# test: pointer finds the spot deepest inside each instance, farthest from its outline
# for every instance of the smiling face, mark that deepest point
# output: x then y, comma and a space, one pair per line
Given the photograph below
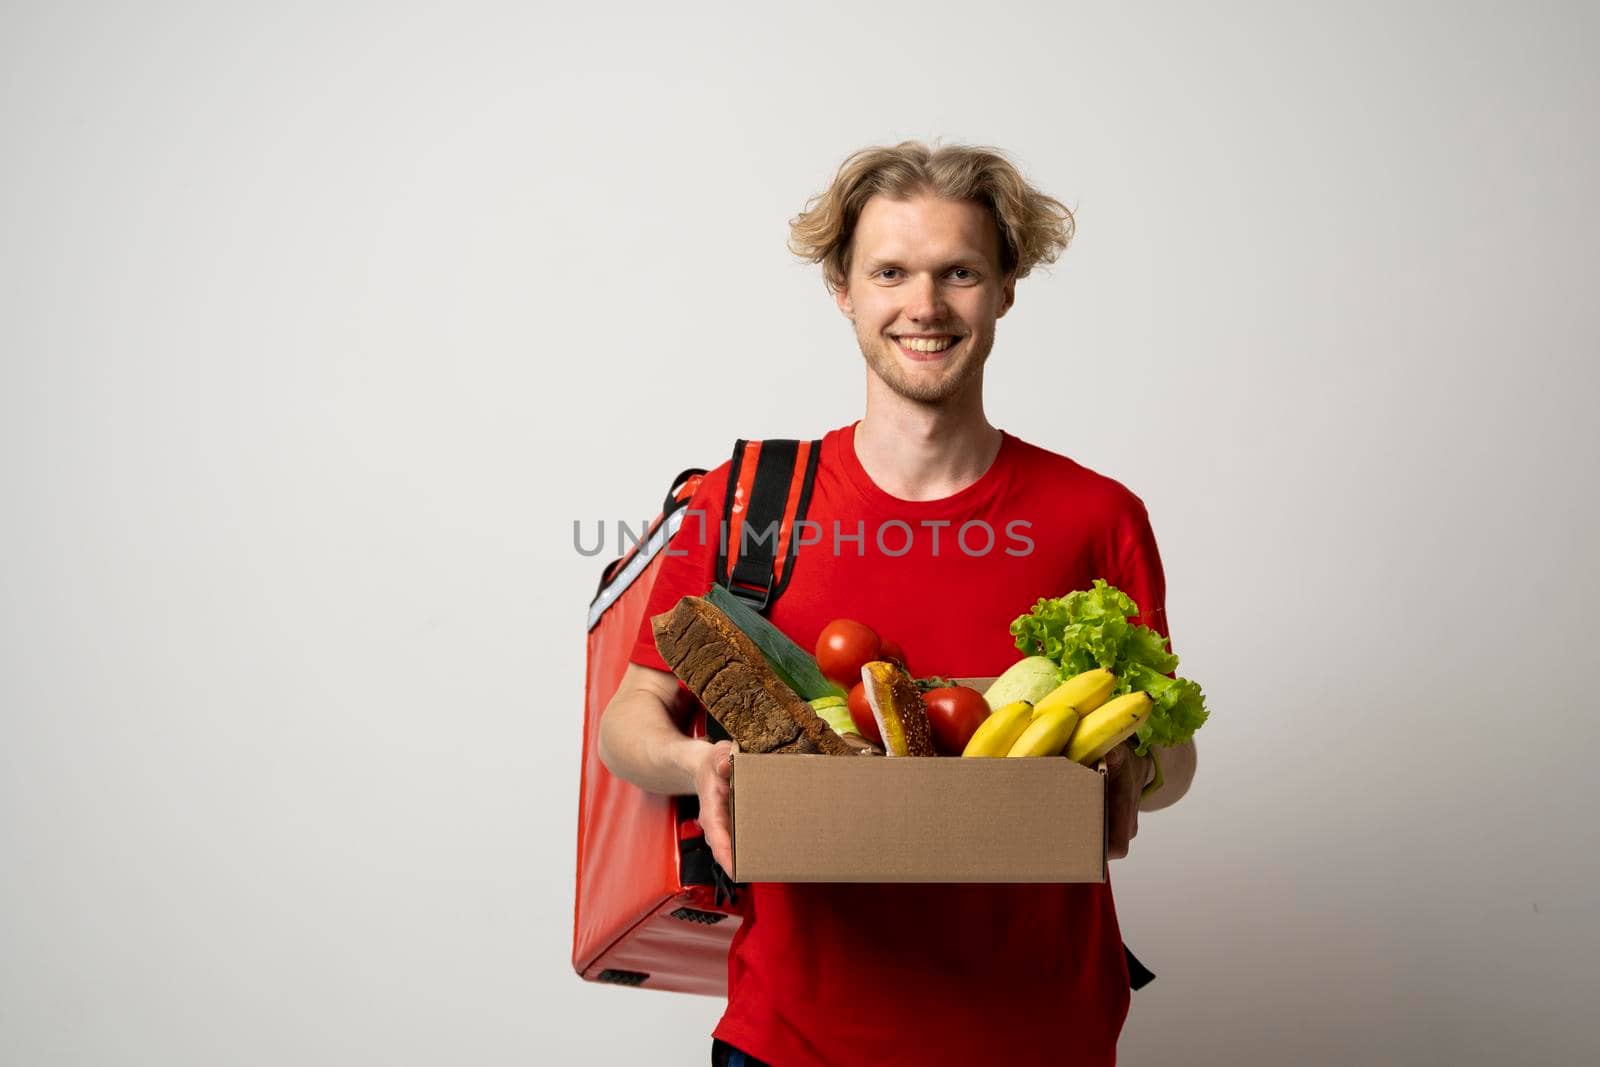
924, 290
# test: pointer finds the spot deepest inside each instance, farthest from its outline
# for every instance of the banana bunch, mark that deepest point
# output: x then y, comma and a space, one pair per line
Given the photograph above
1108, 726
1077, 718
996, 734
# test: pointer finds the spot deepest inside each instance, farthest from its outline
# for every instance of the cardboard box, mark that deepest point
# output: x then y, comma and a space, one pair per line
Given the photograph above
931, 819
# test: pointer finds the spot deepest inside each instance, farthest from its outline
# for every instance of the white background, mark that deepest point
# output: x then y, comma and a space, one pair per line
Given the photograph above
323, 322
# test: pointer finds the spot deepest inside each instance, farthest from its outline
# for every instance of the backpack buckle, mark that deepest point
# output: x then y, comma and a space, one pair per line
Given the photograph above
753, 583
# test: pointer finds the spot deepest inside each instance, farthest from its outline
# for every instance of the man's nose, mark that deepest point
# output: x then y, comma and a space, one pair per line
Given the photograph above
925, 299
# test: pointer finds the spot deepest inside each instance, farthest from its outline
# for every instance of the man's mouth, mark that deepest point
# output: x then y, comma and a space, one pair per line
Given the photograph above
925, 349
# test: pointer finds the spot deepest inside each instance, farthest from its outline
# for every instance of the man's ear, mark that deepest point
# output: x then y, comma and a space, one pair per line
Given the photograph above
841, 296
1009, 289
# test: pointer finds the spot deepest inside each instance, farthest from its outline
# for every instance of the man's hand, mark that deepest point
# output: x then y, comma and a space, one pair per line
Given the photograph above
1126, 777
711, 775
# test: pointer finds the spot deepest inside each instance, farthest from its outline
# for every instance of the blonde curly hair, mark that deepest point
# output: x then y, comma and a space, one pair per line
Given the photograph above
1034, 228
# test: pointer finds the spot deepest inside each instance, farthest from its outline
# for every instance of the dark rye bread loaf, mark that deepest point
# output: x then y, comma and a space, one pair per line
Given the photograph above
723, 668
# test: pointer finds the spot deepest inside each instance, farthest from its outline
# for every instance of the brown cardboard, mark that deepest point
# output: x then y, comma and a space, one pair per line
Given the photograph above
916, 819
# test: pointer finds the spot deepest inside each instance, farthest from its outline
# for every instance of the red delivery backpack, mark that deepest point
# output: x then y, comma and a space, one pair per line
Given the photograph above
652, 908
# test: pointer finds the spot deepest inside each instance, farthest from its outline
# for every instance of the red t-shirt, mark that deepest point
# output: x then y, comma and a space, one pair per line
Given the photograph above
839, 974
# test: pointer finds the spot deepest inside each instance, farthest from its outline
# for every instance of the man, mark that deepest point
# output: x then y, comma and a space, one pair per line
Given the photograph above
922, 250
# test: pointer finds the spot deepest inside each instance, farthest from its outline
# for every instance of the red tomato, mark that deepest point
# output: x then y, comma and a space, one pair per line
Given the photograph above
892, 650
955, 713
843, 646
861, 715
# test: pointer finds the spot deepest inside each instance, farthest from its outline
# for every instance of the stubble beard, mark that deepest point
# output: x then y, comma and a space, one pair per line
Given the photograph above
953, 380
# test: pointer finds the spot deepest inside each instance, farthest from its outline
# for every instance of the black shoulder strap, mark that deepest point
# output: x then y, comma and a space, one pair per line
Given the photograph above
769, 491
764, 504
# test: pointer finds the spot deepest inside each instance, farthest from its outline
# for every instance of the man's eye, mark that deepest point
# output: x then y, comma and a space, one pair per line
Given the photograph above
967, 273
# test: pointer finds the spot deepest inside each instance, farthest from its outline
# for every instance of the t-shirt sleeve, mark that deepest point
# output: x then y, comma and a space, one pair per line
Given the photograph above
688, 562
1138, 568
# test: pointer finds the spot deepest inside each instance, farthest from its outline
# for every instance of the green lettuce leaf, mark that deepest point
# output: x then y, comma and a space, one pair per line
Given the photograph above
1179, 708
1089, 628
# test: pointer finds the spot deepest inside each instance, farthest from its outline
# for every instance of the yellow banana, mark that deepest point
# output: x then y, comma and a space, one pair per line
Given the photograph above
997, 733
1047, 734
1108, 726
1085, 692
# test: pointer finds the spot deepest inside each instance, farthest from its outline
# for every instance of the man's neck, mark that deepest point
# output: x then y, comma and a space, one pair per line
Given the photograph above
922, 452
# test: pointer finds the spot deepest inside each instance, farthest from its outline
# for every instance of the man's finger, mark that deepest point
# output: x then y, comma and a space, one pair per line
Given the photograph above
1117, 834
714, 824
1119, 804
714, 815
1115, 759
721, 848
